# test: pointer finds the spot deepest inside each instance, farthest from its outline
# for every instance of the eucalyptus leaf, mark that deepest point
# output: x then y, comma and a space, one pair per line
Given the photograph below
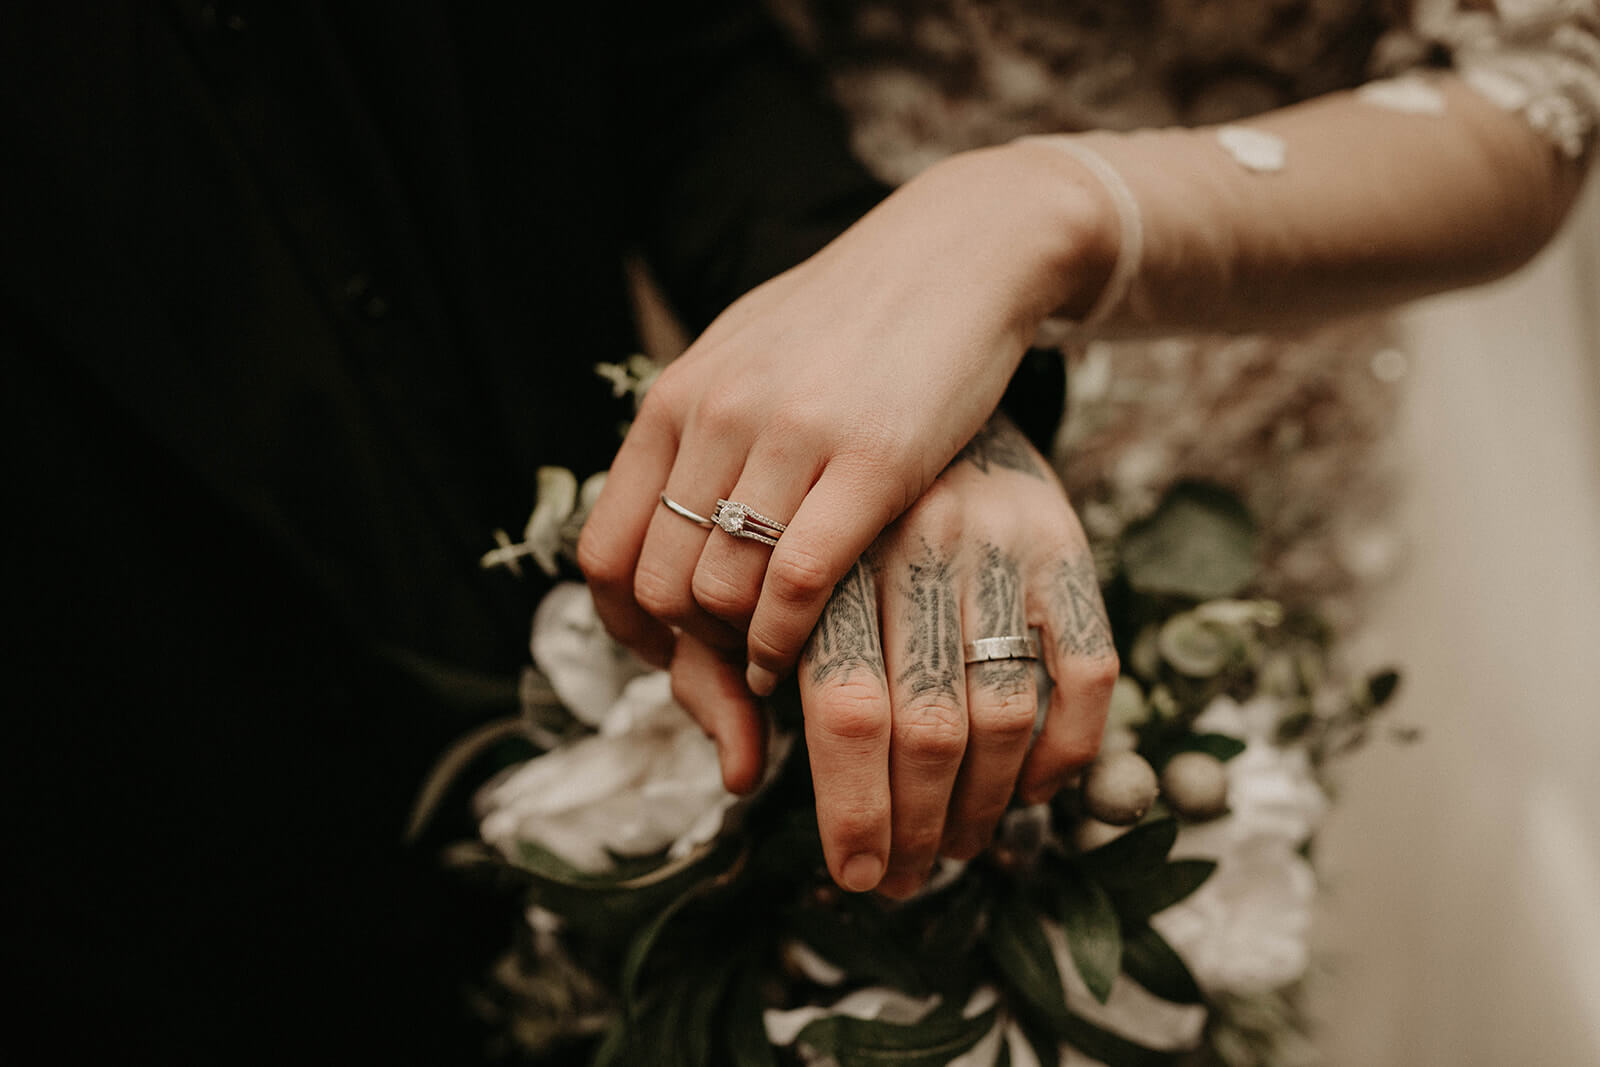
1382, 686
1221, 746
933, 1042
644, 943
613, 1050
1153, 963
1201, 543
1134, 856
1172, 883
1020, 949
857, 937
1046, 1046
1112, 1049
746, 1032
1094, 934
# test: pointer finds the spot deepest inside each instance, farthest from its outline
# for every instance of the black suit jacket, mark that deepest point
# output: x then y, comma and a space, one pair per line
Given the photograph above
296, 297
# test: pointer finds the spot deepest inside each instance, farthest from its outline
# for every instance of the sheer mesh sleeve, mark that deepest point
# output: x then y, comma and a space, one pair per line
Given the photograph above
1539, 58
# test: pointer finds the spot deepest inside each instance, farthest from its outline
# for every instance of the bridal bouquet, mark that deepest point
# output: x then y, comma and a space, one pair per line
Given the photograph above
1158, 914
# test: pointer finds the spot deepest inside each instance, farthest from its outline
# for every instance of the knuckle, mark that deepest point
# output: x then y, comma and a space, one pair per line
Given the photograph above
915, 847
721, 597
1056, 760
1098, 677
600, 566
660, 595
855, 824
797, 575
724, 411
934, 731
1007, 713
853, 712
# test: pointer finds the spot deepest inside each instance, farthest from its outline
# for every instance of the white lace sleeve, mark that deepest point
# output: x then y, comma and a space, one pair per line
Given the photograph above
1539, 58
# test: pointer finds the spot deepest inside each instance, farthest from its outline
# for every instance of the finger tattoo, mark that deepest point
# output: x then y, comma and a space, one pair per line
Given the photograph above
846, 636
1000, 444
933, 631
999, 614
1081, 624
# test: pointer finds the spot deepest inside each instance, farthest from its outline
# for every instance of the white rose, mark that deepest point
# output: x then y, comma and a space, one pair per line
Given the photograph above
648, 780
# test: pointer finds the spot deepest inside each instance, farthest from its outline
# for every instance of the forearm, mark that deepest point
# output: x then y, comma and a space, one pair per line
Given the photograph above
1370, 206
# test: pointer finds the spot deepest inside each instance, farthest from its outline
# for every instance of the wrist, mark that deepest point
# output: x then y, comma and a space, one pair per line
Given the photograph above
1054, 227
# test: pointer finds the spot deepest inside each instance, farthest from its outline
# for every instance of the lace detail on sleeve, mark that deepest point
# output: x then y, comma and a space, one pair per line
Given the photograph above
1539, 58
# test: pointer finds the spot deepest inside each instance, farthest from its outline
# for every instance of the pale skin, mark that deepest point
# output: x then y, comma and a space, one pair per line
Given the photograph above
836, 394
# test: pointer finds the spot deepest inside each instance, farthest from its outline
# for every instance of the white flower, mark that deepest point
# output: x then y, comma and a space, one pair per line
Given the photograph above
649, 779
1245, 929
1271, 789
1130, 1010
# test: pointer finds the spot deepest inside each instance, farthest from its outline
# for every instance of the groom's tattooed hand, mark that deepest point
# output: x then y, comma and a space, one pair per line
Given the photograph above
846, 636
999, 444
1080, 617
1000, 614
933, 630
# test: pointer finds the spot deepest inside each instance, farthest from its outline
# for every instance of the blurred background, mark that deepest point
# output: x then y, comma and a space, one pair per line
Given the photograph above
1461, 915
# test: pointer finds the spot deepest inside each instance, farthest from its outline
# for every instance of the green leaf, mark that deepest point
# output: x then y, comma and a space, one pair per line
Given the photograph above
613, 1050
1016, 940
1170, 884
933, 1042
1151, 962
689, 1021
1112, 1050
1201, 543
1221, 746
954, 929
747, 1033
1094, 934
1382, 686
858, 936
1134, 856
1046, 1046
644, 943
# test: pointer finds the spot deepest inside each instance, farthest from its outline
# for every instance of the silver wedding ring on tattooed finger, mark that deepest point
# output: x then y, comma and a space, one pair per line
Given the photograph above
741, 520
678, 509
984, 649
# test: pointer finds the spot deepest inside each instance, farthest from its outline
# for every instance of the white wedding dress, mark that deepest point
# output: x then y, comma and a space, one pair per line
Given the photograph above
1462, 925
1431, 482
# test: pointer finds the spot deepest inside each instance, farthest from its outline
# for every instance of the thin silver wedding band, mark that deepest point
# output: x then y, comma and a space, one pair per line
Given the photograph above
678, 509
984, 649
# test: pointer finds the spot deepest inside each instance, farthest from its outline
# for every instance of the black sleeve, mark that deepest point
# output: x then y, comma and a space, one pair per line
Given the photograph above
744, 167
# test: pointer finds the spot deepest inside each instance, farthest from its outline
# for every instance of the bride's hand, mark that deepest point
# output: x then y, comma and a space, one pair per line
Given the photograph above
830, 398
914, 752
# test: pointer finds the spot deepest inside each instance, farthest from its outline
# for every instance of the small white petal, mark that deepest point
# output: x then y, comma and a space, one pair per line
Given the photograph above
1254, 150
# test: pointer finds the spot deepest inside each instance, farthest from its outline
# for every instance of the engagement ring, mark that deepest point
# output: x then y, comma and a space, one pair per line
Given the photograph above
741, 520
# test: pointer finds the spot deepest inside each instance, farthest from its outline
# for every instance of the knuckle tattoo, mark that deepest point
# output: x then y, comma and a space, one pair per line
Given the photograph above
932, 647
846, 637
1082, 628
999, 445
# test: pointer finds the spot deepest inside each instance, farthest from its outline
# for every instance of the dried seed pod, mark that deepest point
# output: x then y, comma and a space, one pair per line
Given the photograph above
1195, 785
1119, 788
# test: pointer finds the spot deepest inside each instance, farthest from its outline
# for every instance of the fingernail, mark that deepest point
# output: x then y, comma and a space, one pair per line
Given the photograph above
760, 680
861, 873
